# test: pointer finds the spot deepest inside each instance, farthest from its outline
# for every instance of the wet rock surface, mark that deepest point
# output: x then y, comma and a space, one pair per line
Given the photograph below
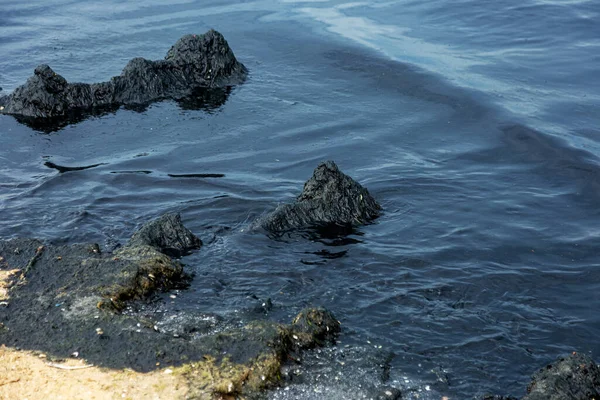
315, 326
330, 200
70, 293
65, 300
194, 62
575, 377
166, 235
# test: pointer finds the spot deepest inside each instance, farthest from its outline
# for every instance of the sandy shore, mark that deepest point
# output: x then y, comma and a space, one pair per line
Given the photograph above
25, 375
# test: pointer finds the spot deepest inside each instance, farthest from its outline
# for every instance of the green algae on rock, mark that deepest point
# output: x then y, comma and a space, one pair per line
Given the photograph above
145, 271
246, 361
81, 270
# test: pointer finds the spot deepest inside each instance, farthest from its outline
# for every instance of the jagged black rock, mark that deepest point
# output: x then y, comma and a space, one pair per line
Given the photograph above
329, 197
195, 61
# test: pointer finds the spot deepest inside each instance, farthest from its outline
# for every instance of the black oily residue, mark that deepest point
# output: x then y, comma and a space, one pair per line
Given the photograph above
58, 270
58, 298
196, 175
63, 168
145, 172
58, 301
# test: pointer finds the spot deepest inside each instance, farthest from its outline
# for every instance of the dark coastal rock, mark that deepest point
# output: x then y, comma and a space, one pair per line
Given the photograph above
330, 198
134, 271
315, 325
62, 298
575, 377
144, 271
53, 309
195, 61
167, 235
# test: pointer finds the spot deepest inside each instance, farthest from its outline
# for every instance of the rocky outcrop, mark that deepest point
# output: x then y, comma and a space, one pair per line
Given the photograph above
134, 271
315, 326
575, 377
167, 235
61, 299
195, 61
147, 256
244, 361
329, 198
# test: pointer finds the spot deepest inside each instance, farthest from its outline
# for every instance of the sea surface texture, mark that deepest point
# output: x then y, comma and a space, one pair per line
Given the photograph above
475, 124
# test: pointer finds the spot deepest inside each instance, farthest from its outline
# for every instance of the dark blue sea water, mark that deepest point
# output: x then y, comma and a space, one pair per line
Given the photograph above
476, 125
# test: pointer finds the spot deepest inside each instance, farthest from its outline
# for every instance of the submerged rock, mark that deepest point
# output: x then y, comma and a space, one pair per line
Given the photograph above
189, 324
195, 61
575, 377
330, 198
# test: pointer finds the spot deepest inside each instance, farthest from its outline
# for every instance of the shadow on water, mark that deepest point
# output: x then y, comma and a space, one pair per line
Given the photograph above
53, 124
203, 99
330, 235
209, 100
327, 234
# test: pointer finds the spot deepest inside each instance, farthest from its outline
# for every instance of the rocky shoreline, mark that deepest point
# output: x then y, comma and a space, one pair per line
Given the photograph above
63, 300
66, 300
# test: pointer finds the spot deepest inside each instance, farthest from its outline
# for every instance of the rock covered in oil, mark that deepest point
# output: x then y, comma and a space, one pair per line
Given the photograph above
330, 198
195, 61
575, 377
168, 235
